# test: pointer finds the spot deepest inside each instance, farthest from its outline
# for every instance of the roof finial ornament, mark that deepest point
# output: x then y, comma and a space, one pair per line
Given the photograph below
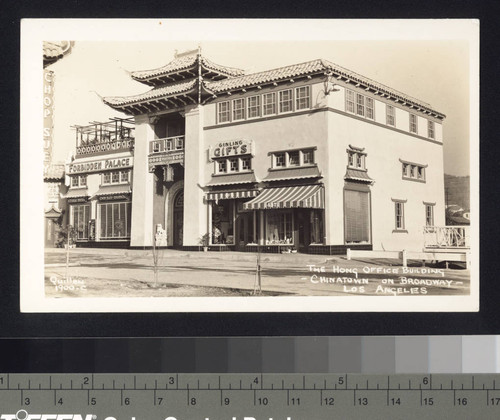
100, 97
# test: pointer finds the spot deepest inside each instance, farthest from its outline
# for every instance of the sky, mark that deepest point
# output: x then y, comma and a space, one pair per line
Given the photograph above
434, 71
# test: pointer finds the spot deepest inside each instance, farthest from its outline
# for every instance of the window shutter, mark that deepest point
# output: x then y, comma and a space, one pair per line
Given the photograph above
357, 216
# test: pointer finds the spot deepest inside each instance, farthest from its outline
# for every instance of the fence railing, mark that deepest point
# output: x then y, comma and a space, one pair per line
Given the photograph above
447, 236
105, 146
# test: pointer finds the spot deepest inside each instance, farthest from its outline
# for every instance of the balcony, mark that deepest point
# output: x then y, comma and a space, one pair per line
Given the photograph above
100, 138
166, 151
447, 237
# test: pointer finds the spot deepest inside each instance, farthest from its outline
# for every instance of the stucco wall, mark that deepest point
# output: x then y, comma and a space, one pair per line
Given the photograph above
384, 148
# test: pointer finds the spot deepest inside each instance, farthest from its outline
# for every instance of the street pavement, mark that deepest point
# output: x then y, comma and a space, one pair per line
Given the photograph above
287, 274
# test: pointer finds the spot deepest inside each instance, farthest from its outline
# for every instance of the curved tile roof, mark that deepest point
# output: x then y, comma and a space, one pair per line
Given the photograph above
266, 76
159, 92
185, 63
309, 67
238, 80
54, 171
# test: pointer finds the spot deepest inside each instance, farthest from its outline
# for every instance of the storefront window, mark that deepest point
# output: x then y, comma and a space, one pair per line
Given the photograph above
279, 227
114, 220
316, 223
81, 218
222, 222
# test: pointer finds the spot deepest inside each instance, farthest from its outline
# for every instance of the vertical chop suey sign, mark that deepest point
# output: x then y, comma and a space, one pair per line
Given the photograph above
230, 148
48, 115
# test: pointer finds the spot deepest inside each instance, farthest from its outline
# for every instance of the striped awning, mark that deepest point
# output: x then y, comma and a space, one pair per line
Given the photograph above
357, 175
229, 195
76, 193
307, 196
114, 190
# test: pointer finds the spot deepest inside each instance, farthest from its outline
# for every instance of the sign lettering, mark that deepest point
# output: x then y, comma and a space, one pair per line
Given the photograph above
231, 148
100, 165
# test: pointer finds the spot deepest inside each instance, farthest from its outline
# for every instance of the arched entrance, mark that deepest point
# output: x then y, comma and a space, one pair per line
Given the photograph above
178, 218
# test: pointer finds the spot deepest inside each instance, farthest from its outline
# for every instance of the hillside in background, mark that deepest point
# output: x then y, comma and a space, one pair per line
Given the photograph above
457, 190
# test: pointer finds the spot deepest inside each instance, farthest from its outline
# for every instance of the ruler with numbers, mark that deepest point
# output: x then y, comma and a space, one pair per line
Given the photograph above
247, 396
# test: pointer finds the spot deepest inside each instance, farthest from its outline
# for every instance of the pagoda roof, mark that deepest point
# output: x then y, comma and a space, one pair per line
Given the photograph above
149, 101
54, 171
185, 66
54, 50
182, 89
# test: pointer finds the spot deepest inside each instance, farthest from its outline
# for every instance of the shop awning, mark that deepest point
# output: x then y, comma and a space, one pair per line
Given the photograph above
113, 190
229, 195
357, 175
307, 196
293, 173
76, 193
231, 179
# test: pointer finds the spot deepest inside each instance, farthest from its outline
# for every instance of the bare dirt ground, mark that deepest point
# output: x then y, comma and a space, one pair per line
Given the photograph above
129, 273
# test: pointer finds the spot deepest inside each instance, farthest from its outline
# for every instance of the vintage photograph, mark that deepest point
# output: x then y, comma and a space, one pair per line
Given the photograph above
199, 174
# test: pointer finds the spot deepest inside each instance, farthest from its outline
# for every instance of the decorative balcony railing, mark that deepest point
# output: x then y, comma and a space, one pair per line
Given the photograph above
166, 151
167, 144
105, 147
447, 237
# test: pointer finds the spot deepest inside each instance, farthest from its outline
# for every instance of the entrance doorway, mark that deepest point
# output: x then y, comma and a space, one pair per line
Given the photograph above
178, 218
244, 229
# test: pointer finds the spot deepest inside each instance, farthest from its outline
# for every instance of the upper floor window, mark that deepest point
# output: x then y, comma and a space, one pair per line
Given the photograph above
238, 109
285, 100
413, 123
356, 159
430, 129
280, 160
370, 112
223, 112
429, 214
269, 103
349, 101
413, 171
254, 106
116, 177
308, 157
78, 181
293, 158
233, 164
359, 104
390, 116
222, 166
399, 211
246, 163
302, 98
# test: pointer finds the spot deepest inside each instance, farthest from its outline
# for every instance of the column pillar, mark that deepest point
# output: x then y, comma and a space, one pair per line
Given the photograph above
195, 162
261, 228
141, 231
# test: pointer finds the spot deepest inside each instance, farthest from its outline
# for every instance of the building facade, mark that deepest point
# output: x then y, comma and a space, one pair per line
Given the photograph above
311, 157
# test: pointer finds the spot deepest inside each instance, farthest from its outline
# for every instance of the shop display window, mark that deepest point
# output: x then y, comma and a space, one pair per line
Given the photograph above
316, 223
279, 228
222, 222
114, 220
80, 218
